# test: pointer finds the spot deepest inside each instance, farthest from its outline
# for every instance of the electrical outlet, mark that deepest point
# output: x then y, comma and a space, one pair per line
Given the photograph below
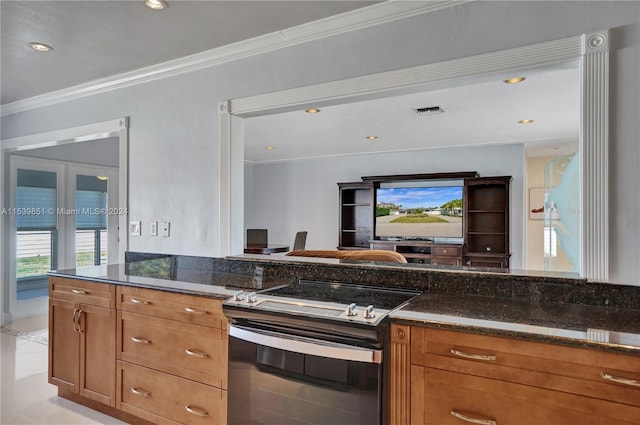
164, 229
134, 228
154, 228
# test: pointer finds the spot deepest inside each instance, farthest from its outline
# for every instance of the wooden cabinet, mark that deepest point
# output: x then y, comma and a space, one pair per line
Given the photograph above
486, 222
356, 215
141, 355
455, 377
172, 363
423, 252
82, 331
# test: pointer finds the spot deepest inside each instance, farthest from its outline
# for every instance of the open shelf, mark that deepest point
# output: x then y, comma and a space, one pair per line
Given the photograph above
356, 215
487, 222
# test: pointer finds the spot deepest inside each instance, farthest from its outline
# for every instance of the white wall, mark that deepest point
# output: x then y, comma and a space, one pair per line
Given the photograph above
303, 195
174, 127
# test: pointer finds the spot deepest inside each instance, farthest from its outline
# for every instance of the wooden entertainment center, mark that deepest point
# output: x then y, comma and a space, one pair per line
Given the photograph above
485, 241
423, 252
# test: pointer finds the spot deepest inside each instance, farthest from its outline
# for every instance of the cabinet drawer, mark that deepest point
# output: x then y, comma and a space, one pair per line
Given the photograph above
165, 399
446, 261
383, 246
575, 370
185, 308
437, 393
446, 251
82, 291
487, 261
191, 351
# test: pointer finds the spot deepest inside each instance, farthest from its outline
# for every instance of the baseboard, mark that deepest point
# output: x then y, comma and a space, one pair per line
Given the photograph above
103, 408
5, 319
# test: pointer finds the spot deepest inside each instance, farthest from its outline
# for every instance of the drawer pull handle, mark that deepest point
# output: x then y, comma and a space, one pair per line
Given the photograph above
139, 340
137, 301
484, 357
625, 381
74, 319
195, 353
141, 393
472, 420
79, 291
194, 311
195, 411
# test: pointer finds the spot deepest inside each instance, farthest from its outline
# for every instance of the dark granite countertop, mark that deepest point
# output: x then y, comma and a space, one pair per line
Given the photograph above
567, 324
452, 304
158, 274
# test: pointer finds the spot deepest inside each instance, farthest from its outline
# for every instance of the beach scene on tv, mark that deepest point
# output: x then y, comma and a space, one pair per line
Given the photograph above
419, 212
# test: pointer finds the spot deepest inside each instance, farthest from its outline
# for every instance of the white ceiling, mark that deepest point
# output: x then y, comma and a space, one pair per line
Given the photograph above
479, 111
97, 39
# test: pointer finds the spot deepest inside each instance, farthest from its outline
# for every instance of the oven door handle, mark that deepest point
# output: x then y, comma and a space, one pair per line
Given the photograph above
310, 346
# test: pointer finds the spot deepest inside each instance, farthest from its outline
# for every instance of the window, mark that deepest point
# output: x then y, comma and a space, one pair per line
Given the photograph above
91, 221
36, 236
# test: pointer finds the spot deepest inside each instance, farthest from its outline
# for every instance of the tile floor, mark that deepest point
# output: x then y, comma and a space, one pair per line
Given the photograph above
25, 395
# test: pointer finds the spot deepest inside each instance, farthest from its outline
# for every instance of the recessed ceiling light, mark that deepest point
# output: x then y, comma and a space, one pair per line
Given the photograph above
270, 148
156, 4
525, 122
372, 137
312, 110
514, 80
40, 47
103, 178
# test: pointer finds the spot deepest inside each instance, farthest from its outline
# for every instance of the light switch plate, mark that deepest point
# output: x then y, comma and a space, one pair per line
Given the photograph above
134, 228
164, 229
154, 228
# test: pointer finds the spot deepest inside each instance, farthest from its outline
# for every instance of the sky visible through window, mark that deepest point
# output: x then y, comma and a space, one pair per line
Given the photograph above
419, 197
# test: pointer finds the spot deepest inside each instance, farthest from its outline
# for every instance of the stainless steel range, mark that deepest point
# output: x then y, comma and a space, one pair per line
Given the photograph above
309, 353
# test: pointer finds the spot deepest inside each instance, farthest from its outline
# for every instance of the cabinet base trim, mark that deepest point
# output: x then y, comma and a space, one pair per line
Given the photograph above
107, 410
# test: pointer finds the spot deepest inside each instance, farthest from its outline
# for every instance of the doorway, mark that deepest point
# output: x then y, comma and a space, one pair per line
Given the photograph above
71, 185
65, 217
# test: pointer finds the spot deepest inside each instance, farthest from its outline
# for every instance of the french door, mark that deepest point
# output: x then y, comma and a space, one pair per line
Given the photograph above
63, 216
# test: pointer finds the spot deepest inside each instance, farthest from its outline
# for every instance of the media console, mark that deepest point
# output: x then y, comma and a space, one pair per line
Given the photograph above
423, 252
485, 217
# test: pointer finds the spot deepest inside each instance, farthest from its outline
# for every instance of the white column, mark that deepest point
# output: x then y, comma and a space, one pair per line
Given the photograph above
224, 180
594, 158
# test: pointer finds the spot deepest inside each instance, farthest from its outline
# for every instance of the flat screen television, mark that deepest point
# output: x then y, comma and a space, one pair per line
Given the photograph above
419, 210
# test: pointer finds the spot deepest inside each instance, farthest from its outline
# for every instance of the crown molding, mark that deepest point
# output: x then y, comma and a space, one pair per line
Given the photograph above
369, 16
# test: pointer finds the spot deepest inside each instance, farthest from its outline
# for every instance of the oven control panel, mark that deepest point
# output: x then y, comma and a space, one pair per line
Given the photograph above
344, 312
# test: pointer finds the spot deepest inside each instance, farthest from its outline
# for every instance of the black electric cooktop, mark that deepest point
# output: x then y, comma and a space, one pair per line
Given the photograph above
344, 293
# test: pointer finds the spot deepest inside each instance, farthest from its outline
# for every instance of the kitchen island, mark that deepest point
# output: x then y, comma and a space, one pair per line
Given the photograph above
579, 354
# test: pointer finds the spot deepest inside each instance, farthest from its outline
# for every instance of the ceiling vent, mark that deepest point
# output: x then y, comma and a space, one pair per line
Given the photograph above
430, 110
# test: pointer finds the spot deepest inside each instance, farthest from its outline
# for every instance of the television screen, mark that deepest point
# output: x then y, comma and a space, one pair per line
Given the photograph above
419, 211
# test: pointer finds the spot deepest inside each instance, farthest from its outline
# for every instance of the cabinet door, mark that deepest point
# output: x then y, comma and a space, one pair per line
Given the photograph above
98, 354
64, 342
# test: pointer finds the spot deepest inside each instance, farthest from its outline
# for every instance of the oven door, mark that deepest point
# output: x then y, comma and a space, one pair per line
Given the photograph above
277, 378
